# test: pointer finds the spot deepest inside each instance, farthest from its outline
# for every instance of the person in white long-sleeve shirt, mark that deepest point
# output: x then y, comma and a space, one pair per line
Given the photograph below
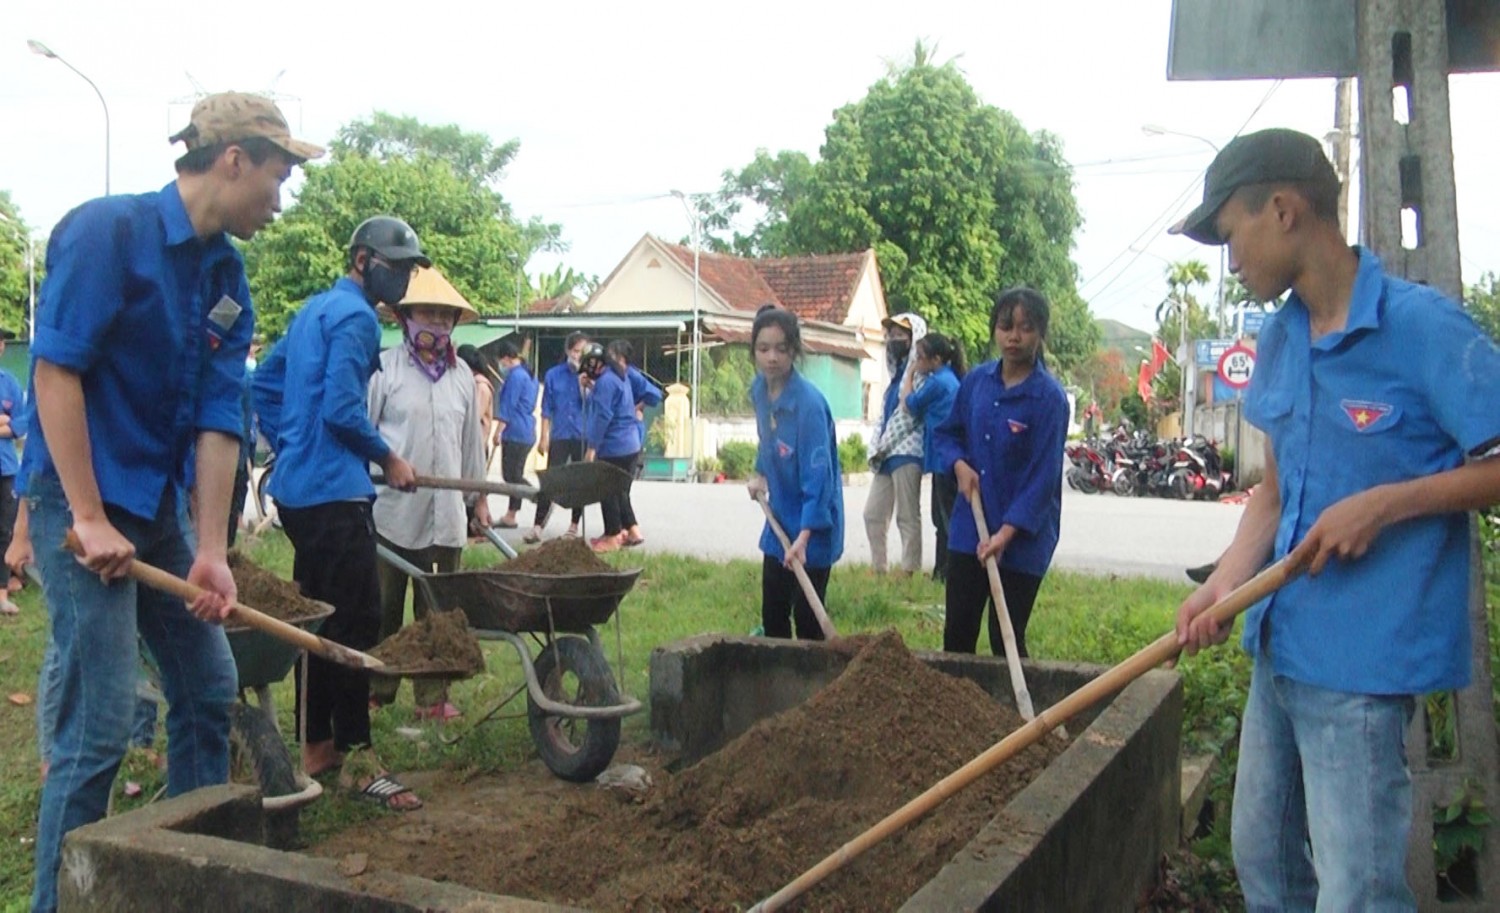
422, 401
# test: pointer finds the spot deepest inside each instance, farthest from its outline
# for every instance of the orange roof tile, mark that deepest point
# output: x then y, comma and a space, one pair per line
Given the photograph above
814, 287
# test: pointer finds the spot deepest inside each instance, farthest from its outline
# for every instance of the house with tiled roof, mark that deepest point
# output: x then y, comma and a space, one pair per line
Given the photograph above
839, 298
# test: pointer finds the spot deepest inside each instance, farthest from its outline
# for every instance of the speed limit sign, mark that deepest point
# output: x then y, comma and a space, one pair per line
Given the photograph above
1236, 366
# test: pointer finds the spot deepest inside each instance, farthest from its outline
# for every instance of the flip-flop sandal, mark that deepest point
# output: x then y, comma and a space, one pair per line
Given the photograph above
633, 541
503, 525
9, 608
382, 790
532, 537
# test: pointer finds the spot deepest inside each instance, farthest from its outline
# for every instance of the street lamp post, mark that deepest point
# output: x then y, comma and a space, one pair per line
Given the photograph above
697, 324
38, 48
1157, 130
25, 236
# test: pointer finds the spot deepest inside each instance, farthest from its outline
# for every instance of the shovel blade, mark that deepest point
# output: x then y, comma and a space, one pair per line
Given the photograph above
580, 484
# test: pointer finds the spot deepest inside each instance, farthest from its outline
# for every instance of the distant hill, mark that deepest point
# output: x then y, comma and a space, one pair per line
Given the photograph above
1123, 338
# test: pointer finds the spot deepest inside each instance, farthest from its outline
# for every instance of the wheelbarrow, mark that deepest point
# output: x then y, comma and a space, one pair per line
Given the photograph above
573, 702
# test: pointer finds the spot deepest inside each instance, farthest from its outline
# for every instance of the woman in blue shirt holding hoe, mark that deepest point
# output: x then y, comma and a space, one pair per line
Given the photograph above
797, 467
1004, 438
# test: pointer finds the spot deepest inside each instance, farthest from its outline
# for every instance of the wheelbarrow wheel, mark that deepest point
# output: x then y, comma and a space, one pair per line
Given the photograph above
572, 671
257, 752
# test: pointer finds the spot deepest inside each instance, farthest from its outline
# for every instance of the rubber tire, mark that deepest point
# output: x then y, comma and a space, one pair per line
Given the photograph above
576, 762
1086, 485
1124, 484
256, 741
1181, 486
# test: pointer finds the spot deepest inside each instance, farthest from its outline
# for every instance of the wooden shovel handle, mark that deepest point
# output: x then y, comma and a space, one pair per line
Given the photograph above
156, 578
824, 621
470, 485
1002, 611
1149, 657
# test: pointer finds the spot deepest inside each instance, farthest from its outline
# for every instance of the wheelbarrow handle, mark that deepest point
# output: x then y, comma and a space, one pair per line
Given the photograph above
156, 578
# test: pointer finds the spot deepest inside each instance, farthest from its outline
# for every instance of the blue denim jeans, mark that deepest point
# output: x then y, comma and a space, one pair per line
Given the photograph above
94, 632
1322, 798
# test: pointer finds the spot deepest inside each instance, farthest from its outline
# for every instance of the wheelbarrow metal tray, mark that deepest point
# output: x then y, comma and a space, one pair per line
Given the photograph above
496, 600
263, 660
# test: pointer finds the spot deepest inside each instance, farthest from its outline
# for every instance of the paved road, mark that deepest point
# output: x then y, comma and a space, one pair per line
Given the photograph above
1101, 533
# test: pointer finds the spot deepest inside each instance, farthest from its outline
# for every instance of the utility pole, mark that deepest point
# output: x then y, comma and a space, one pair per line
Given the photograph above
1343, 127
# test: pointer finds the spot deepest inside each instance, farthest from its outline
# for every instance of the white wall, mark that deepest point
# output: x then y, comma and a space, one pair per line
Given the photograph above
639, 286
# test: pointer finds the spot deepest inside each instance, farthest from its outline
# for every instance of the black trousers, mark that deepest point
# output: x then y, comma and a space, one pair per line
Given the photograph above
335, 562
619, 513
560, 452
944, 494
782, 600
969, 601
8, 507
513, 466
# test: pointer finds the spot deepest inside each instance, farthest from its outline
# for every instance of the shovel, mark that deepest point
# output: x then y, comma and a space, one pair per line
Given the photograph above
824, 621
159, 579
1148, 657
571, 485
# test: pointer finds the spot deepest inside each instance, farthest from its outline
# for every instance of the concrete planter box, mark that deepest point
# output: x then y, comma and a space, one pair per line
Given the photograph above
1084, 836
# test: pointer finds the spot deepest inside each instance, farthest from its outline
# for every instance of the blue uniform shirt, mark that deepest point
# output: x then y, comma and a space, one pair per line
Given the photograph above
517, 403
798, 455
562, 403
13, 404
643, 393
1403, 391
1013, 437
311, 391
932, 402
610, 423
157, 323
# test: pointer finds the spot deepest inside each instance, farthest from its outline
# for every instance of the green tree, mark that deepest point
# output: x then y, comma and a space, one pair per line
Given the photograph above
439, 179
955, 196
14, 293
1183, 282
1482, 300
563, 280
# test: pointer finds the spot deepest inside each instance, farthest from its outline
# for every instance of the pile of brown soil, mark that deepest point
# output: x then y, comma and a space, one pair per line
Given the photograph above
567, 555
745, 821
263, 590
439, 643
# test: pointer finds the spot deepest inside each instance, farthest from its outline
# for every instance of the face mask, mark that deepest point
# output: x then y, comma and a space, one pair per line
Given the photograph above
423, 338
383, 284
899, 349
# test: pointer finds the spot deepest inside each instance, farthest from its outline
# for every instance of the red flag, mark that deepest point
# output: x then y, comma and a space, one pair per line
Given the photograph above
1159, 355
1143, 381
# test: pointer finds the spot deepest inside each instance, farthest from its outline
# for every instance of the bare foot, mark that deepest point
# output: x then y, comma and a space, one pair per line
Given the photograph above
365, 777
320, 757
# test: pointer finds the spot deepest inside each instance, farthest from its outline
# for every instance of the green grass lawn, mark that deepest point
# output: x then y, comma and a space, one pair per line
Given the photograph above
1077, 617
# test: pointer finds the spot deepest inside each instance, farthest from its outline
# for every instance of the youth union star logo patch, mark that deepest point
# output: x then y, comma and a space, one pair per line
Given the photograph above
1015, 426
1365, 415
783, 449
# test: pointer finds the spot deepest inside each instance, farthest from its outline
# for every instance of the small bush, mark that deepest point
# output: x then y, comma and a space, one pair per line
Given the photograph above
708, 464
854, 456
737, 459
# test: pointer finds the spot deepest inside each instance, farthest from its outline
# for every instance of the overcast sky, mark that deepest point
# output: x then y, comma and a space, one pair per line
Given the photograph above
617, 104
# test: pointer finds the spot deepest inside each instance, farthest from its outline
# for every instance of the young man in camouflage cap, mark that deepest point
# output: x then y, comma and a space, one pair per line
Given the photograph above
141, 336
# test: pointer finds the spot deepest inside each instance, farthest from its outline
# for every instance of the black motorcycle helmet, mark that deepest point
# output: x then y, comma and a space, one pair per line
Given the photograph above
389, 237
592, 362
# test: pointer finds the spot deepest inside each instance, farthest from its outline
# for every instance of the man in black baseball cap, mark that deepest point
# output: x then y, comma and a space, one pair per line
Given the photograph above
1369, 420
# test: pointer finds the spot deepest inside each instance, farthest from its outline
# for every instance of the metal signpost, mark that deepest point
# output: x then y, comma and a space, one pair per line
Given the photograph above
1402, 52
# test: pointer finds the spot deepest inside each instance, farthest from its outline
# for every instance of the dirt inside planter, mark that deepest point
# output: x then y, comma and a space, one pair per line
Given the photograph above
439, 644
567, 555
260, 589
741, 823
